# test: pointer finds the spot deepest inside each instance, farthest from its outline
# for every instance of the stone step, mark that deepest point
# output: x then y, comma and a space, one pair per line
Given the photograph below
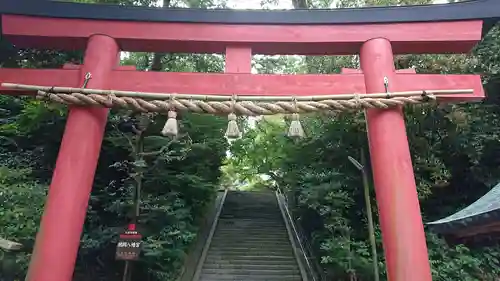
264, 230
277, 241
251, 249
254, 210
240, 252
237, 237
233, 241
232, 277
276, 219
265, 208
243, 255
281, 243
250, 259
267, 237
250, 242
247, 238
251, 216
251, 202
254, 262
255, 255
229, 265
240, 243
249, 224
255, 225
251, 231
250, 199
251, 272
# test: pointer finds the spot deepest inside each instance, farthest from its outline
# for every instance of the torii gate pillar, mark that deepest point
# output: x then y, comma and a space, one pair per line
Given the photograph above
400, 220
58, 238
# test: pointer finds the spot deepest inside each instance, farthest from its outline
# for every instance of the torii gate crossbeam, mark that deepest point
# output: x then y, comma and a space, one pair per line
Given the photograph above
375, 34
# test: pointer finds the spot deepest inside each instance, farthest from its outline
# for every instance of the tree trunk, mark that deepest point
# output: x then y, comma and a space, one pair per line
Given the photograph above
300, 4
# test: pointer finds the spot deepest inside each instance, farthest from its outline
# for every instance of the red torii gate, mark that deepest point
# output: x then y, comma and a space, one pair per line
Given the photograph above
376, 34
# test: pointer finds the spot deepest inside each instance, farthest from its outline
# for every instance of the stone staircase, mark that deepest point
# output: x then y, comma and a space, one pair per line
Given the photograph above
250, 242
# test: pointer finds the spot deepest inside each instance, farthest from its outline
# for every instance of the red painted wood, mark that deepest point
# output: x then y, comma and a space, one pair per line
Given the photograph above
240, 84
246, 84
408, 80
400, 220
193, 83
44, 77
58, 239
437, 37
238, 59
411, 82
300, 85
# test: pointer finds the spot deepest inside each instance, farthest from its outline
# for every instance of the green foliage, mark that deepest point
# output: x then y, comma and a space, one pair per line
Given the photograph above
22, 203
267, 146
462, 263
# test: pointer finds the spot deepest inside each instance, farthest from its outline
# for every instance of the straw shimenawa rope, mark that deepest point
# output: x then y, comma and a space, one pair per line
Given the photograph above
249, 108
213, 104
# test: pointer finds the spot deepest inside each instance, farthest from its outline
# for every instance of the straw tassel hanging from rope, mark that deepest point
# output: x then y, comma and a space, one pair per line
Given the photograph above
232, 131
171, 127
296, 129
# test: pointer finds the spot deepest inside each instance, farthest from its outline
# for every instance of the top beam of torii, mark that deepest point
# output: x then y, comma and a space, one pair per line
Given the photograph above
411, 29
451, 28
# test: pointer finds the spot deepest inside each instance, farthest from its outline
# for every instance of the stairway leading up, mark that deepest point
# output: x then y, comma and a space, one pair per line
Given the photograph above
250, 242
